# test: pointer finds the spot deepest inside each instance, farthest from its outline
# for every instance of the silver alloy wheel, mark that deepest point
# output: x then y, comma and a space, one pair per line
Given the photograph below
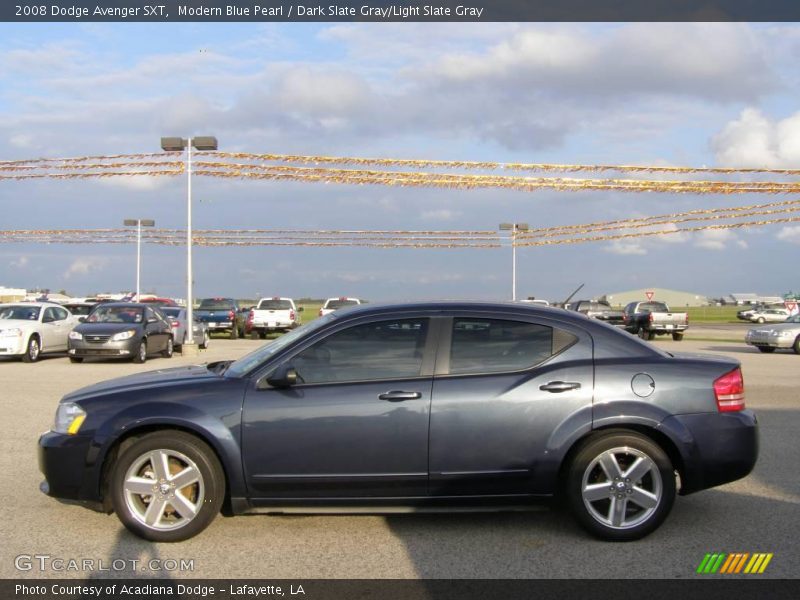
33, 348
170, 347
143, 351
621, 488
164, 489
206, 339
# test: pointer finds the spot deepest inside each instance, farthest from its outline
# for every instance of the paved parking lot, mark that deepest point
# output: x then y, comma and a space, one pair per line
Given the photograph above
757, 514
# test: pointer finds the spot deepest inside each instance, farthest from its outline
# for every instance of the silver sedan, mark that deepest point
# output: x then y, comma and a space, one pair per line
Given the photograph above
177, 318
781, 335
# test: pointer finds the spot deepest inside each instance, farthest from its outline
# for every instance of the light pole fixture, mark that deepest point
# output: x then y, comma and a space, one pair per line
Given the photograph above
138, 223
178, 144
514, 228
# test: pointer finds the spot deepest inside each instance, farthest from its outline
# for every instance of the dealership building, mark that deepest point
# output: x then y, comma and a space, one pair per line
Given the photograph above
673, 298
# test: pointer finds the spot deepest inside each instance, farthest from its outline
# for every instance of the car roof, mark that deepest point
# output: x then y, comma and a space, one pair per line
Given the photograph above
23, 303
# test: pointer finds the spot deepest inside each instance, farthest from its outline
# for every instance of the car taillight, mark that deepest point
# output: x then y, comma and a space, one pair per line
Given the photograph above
291, 315
729, 391
250, 317
650, 317
231, 315
320, 312
687, 318
176, 324
624, 318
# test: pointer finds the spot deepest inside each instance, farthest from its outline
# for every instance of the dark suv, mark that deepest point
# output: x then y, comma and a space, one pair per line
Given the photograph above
221, 315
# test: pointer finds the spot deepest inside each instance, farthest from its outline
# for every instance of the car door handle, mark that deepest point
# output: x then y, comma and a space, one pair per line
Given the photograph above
556, 387
397, 396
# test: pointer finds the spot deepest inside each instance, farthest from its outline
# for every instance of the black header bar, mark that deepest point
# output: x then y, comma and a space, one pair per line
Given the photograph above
399, 10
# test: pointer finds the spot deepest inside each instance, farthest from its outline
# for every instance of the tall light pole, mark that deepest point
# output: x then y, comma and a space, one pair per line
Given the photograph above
514, 228
177, 144
138, 223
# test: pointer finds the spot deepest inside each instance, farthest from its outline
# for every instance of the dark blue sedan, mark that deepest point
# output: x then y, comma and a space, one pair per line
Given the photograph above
418, 407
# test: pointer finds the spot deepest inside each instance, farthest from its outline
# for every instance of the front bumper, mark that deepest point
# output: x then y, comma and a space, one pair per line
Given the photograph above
12, 345
770, 341
716, 448
123, 349
67, 465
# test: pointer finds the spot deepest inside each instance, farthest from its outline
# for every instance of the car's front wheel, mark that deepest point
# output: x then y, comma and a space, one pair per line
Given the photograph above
206, 339
677, 337
766, 349
140, 354
33, 350
621, 486
167, 486
796, 346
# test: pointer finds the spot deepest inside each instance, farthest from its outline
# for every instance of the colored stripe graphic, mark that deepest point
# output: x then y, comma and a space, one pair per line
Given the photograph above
730, 564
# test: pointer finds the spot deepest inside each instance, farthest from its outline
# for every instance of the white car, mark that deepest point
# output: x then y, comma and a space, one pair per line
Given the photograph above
272, 314
30, 329
770, 315
332, 304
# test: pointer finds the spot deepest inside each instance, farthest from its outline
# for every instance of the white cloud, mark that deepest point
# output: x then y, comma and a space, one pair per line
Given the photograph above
715, 239
84, 266
755, 140
790, 234
625, 248
20, 263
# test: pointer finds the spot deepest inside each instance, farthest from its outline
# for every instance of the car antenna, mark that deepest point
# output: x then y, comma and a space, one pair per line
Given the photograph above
580, 287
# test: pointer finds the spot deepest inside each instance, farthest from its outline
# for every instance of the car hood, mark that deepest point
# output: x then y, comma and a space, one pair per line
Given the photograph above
139, 381
777, 327
105, 328
17, 323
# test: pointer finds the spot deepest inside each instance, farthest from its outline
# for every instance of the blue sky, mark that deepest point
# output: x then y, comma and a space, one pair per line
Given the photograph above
679, 94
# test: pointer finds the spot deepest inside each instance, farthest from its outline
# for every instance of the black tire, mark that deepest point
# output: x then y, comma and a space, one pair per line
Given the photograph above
206, 339
642, 333
656, 486
766, 349
76, 359
140, 355
170, 349
677, 337
33, 349
796, 346
205, 495
234, 333
651, 335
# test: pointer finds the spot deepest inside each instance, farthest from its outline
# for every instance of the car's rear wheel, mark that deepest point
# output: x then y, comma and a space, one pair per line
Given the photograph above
140, 354
621, 486
167, 486
796, 346
234, 333
677, 337
76, 359
766, 349
170, 349
33, 350
761, 320
642, 333
206, 339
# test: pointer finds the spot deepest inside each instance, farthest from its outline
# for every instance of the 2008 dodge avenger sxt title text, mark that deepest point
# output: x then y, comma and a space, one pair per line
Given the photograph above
410, 407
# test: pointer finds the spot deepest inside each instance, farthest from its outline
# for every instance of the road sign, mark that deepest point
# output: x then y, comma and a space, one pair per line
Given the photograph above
649, 294
791, 305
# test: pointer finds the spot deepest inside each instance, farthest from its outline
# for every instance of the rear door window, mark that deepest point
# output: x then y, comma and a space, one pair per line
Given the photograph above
494, 345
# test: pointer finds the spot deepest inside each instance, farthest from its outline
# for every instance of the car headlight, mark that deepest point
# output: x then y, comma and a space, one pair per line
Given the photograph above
13, 332
124, 335
69, 418
75, 335
783, 333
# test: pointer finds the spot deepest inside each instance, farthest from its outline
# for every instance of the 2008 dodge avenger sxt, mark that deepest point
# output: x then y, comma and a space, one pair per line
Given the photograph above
410, 407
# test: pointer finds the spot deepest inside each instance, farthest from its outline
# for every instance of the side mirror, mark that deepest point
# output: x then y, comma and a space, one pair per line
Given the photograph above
82, 319
283, 377
300, 309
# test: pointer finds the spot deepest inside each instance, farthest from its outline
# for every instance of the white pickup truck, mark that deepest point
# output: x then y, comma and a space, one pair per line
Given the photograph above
649, 319
272, 314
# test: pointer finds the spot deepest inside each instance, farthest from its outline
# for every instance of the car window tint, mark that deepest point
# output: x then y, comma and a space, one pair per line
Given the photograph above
382, 350
49, 314
492, 345
216, 304
337, 304
60, 314
274, 305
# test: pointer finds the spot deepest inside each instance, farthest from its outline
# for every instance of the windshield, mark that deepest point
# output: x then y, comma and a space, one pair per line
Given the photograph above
28, 313
171, 312
653, 307
275, 304
216, 304
116, 314
337, 304
250, 361
80, 309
